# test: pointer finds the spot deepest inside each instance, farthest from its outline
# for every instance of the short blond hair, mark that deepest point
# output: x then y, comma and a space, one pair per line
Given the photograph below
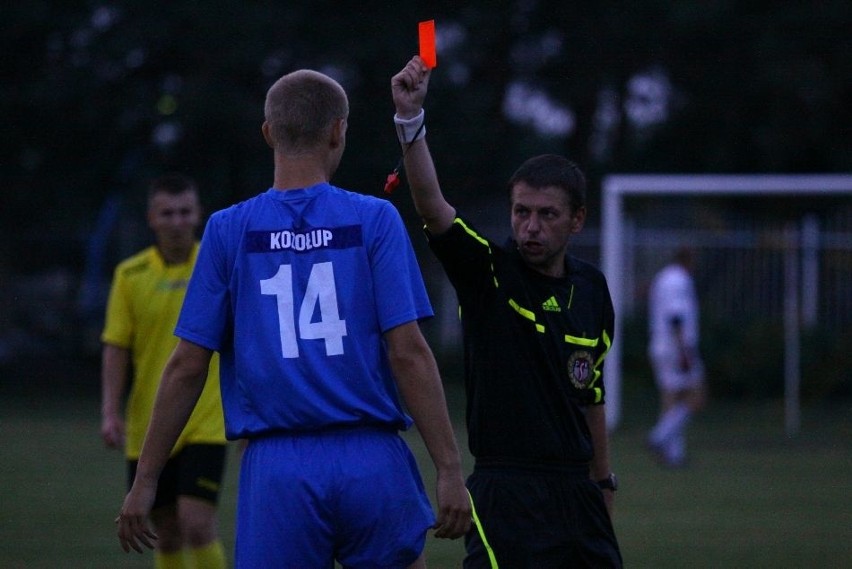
301, 108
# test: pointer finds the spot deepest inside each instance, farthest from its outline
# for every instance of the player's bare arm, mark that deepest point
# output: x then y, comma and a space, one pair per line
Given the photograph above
181, 385
409, 88
419, 382
115, 368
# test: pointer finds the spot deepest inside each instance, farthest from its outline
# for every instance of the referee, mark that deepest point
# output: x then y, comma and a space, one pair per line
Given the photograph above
537, 324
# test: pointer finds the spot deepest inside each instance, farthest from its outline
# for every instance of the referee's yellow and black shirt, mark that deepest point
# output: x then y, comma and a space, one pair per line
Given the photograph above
534, 348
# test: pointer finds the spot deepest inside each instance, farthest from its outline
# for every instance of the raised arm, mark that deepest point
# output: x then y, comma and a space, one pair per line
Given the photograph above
409, 88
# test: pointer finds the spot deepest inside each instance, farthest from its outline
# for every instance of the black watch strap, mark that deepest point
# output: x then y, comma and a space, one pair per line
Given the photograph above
609, 483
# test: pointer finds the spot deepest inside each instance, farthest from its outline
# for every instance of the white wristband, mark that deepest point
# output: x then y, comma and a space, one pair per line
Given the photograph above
409, 130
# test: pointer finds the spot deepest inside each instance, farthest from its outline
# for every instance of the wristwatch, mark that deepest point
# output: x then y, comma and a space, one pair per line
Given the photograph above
609, 483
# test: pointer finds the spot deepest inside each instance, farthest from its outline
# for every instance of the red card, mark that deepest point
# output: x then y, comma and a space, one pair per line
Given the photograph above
427, 43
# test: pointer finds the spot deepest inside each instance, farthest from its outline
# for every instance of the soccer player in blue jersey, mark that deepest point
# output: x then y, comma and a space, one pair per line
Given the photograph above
311, 294
537, 324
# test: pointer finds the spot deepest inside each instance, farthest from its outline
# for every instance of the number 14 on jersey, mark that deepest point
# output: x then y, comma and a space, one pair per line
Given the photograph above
320, 291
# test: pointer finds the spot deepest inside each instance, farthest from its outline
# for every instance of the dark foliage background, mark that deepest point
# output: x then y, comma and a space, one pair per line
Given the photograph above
97, 97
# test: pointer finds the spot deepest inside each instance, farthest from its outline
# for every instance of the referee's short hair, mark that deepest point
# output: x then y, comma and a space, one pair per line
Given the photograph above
553, 170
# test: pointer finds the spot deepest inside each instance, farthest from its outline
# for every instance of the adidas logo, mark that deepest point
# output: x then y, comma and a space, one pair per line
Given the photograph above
550, 305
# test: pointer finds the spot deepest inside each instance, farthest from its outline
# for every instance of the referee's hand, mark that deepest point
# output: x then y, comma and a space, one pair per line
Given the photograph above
409, 87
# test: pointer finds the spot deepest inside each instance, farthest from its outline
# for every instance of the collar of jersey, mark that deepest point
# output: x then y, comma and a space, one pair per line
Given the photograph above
298, 193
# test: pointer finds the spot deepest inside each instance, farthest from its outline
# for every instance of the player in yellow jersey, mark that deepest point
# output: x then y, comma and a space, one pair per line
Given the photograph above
145, 299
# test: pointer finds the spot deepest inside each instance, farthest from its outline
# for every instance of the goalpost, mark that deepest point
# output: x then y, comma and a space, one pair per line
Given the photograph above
616, 189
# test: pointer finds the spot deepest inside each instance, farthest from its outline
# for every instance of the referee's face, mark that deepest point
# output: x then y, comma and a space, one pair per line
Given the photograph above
542, 224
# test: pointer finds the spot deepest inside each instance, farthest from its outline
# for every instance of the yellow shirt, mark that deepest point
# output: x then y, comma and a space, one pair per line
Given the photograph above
143, 308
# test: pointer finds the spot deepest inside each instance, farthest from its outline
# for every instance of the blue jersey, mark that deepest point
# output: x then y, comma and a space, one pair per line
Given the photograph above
294, 289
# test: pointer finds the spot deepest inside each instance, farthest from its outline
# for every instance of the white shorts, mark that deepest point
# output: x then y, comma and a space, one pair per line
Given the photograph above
668, 374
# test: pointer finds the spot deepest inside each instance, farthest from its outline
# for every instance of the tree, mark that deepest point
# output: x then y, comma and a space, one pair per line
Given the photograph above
97, 99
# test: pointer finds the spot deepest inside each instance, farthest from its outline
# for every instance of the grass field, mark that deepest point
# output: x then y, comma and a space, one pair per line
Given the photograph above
751, 497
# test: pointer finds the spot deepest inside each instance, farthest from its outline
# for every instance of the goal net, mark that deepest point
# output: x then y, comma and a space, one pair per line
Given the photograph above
774, 248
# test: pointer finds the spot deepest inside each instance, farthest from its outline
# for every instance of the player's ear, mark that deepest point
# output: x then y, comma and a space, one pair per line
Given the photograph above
578, 219
267, 134
338, 132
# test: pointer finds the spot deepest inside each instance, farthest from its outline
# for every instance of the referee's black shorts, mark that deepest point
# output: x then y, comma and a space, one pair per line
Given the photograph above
529, 519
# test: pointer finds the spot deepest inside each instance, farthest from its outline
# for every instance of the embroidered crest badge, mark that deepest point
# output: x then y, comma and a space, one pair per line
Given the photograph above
580, 369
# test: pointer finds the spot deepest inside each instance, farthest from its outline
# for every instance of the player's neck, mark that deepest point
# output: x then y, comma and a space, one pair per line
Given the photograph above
174, 255
299, 172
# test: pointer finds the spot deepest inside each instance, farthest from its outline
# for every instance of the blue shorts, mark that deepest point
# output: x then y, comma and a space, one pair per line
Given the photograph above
351, 495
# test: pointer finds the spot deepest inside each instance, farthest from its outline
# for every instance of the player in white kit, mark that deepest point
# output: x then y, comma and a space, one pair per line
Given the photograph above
673, 315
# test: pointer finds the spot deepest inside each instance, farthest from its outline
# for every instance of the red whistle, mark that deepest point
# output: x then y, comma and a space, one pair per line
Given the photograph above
392, 182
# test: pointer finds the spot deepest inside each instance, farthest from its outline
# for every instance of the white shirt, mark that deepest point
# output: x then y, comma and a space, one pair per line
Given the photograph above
672, 295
